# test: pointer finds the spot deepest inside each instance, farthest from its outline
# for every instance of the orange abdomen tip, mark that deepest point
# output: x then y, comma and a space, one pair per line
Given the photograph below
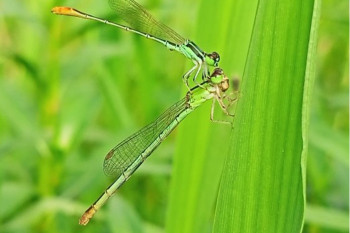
89, 213
63, 10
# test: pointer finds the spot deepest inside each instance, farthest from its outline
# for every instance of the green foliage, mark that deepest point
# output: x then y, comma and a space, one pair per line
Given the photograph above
71, 89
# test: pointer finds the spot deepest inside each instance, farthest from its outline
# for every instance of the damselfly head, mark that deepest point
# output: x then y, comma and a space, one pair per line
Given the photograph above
219, 78
217, 75
212, 59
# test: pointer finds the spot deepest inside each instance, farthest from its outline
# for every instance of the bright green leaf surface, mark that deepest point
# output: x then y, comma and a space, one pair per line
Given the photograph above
262, 183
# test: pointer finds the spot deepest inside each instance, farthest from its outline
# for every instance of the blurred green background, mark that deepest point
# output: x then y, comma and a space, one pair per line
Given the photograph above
71, 89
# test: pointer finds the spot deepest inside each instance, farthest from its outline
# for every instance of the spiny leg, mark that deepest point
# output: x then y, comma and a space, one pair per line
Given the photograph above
198, 69
212, 115
205, 73
186, 76
195, 77
230, 99
223, 106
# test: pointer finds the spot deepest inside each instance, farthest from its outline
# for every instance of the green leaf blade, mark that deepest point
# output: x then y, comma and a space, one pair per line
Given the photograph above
262, 182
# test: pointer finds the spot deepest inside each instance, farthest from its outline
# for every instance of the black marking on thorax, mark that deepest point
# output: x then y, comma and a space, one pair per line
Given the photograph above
196, 50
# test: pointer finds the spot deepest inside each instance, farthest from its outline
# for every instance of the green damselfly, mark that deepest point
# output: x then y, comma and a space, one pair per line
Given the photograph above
144, 24
123, 160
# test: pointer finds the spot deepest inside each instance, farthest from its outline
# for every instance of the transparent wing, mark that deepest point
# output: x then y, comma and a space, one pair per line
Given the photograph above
126, 152
138, 18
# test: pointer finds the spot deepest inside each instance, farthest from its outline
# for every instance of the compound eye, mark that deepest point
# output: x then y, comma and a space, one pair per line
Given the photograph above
217, 72
216, 57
